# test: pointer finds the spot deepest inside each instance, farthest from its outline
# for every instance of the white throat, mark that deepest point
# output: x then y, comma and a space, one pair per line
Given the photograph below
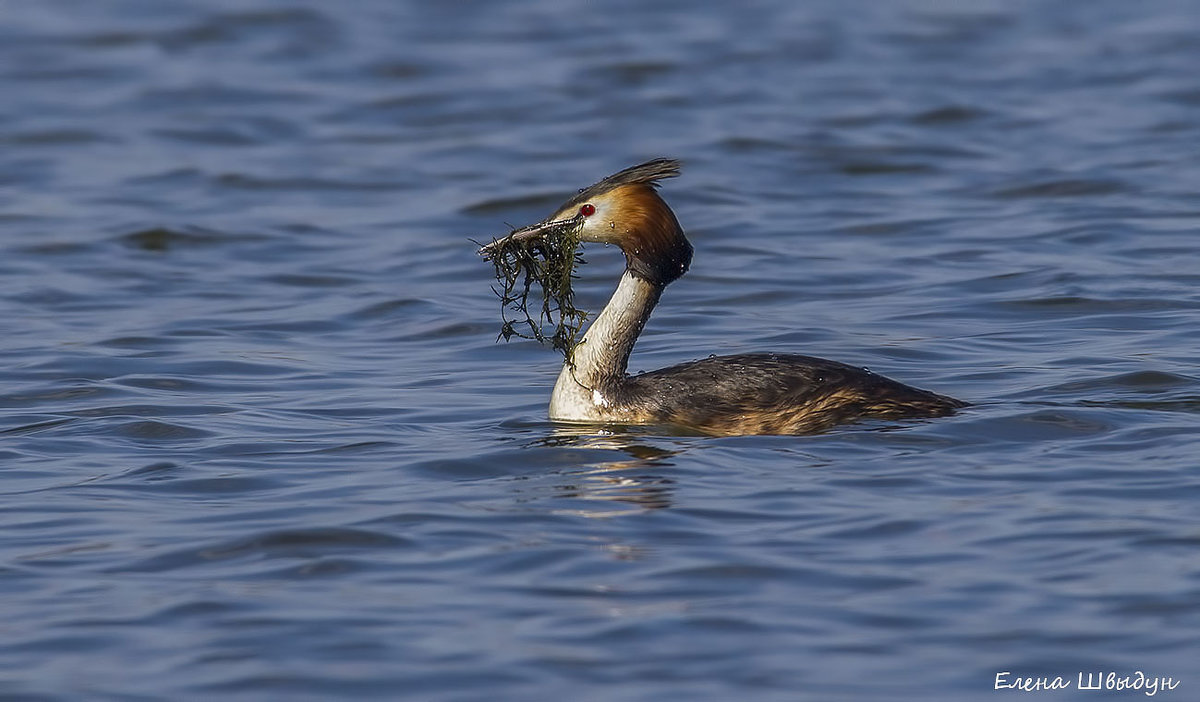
595, 371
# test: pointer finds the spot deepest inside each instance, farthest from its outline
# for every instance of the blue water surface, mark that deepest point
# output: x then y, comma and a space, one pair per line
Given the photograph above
258, 441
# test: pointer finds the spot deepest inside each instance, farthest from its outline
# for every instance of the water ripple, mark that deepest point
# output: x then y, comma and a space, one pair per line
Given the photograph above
259, 440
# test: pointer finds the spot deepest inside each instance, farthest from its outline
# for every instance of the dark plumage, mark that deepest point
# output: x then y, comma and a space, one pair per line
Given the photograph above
774, 393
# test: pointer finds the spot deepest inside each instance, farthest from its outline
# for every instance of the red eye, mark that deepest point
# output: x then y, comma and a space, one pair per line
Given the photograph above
587, 210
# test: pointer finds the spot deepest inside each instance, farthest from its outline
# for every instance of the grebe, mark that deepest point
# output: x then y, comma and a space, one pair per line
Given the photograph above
757, 393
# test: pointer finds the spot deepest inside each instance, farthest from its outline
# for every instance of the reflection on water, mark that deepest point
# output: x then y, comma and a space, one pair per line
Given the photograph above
632, 481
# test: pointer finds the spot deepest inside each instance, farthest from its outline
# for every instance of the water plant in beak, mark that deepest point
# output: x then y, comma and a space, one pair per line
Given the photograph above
539, 260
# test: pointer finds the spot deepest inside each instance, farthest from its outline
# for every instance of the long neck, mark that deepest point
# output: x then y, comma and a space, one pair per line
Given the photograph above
600, 360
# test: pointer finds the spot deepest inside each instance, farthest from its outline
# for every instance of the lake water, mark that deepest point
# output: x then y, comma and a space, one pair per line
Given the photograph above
259, 442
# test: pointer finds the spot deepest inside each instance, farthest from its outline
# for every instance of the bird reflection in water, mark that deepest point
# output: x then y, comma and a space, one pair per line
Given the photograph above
631, 481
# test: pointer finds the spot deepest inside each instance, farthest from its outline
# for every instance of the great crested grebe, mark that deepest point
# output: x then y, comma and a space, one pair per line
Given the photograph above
756, 393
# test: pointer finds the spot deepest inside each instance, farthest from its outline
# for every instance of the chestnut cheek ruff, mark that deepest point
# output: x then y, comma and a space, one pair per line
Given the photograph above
655, 247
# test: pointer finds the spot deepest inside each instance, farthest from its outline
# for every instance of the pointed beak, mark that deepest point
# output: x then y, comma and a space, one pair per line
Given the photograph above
529, 233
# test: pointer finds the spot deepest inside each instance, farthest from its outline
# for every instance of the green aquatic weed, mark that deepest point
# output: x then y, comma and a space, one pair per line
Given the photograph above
547, 262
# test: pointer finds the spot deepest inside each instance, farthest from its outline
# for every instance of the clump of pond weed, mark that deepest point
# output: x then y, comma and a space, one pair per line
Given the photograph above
548, 264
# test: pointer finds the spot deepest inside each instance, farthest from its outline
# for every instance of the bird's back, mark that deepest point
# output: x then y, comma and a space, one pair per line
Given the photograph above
769, 393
